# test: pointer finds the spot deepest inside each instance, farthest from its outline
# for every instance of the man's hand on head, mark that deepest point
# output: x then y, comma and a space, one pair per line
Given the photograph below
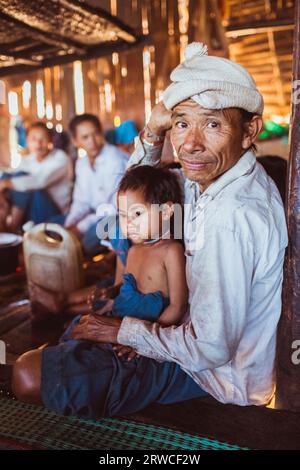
160, 120
97, 328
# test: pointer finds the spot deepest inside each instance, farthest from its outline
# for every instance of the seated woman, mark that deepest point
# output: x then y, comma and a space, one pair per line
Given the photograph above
41, 187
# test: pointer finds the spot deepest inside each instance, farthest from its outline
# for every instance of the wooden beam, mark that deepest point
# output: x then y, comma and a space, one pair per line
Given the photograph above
18, 59
256, 27
288, 371
126, 33
45, 36
93, 53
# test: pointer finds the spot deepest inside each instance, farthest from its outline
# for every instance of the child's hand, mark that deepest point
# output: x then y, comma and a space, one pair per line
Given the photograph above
107, 308
97, 293
102, 293
122, 350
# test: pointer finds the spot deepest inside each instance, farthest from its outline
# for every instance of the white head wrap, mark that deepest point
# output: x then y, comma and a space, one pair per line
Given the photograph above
213, 82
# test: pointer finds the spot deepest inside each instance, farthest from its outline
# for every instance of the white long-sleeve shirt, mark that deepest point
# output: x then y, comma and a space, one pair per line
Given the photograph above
227, 342
53, 173
95, 187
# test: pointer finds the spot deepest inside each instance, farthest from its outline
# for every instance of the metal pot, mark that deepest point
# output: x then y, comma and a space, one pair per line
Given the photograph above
9, 253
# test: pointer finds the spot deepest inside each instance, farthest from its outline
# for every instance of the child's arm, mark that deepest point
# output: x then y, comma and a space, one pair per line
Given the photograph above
178, 291
120, 270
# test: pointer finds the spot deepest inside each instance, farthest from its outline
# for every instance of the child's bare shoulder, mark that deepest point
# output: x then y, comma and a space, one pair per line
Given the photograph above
133, 251
173, 248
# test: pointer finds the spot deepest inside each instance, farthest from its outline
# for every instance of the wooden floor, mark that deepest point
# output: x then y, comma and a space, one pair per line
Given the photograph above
252, 427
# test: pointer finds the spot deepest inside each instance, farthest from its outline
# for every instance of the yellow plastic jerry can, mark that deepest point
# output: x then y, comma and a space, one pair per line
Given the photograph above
53, 259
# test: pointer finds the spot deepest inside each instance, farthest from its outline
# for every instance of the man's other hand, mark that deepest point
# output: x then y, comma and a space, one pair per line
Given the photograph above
97, 328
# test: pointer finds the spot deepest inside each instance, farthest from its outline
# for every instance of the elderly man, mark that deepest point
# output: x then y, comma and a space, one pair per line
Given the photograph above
226, 346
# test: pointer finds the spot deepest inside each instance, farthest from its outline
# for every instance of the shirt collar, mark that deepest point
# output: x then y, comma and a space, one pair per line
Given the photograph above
243, 167
103, 151
99, 158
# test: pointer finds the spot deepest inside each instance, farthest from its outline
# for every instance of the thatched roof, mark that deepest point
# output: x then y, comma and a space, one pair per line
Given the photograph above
39, 33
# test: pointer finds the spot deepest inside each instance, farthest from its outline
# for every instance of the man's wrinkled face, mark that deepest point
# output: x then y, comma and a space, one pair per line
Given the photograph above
207, 142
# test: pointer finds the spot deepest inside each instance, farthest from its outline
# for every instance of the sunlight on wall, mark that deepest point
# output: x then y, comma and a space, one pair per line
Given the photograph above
13, 105
2, 92
183, 11
113, 7
108, 96
58, 112
78, 87
147, 82
15, 156
40, 99
145, 23
26, 94
115, 58
49, 110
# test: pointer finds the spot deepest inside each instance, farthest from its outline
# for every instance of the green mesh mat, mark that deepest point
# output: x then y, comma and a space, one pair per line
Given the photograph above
36, 427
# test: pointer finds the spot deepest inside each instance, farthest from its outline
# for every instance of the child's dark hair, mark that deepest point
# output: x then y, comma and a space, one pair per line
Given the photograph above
158, 185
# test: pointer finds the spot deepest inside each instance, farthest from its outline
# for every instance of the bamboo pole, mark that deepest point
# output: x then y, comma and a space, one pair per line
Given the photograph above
288, 366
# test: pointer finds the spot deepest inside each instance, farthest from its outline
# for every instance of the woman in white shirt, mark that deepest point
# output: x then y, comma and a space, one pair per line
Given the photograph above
41, 187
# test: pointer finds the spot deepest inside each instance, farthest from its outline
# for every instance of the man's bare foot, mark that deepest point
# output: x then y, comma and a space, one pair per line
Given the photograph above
16, 219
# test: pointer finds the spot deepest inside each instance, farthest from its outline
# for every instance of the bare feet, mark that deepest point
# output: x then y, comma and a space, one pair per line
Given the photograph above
16, 219
26, 377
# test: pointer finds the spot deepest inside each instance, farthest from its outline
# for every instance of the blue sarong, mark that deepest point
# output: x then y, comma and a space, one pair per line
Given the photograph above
132, 303
37, 205
90, 380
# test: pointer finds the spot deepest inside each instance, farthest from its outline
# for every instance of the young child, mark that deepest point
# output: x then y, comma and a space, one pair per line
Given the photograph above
154, 285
